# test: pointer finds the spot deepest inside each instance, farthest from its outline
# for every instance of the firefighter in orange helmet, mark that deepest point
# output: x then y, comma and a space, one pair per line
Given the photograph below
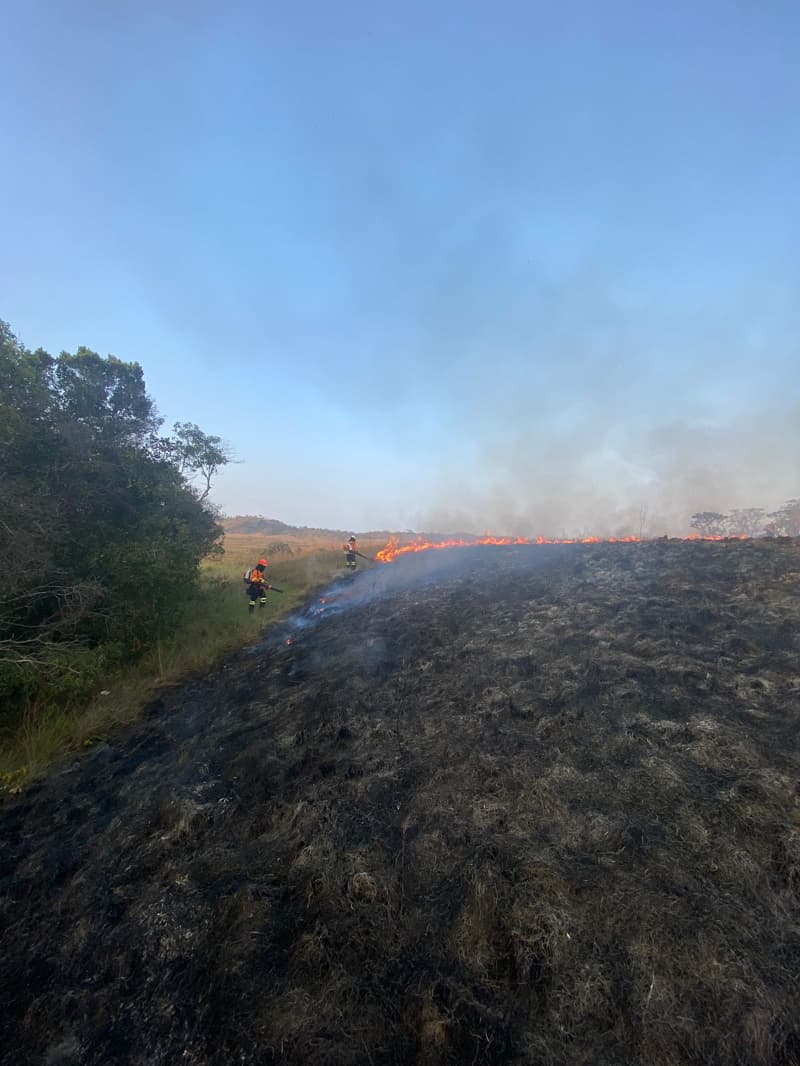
257, 586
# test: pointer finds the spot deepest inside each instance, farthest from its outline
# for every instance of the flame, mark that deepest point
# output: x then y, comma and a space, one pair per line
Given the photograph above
394, 549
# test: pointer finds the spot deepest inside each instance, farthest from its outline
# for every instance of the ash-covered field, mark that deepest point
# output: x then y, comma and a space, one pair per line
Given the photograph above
492, 805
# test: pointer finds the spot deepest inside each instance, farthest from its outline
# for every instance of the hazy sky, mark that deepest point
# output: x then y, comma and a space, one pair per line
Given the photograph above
517, 266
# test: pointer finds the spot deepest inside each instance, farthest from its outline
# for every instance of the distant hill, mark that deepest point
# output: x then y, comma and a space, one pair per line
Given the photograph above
272, 527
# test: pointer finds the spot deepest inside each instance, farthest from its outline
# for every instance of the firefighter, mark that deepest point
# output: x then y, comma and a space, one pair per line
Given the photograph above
257, 587
350, 553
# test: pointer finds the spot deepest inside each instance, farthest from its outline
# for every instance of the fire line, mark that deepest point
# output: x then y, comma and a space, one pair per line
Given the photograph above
394, 549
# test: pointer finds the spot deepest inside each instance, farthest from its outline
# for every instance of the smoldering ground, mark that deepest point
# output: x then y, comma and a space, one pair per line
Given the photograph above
497, 805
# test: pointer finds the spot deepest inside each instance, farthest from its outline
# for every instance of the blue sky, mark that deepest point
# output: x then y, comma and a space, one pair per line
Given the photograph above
512, 266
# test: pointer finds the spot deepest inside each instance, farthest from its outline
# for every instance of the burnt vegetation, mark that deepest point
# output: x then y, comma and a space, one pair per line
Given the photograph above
517, 805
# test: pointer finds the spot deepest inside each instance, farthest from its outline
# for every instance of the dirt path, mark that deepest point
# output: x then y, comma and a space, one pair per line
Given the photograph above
525, 805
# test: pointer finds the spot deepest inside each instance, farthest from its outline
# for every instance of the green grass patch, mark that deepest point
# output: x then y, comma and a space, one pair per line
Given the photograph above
82, 703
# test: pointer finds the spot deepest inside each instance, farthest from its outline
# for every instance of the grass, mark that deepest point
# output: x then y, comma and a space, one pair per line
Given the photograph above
217, 621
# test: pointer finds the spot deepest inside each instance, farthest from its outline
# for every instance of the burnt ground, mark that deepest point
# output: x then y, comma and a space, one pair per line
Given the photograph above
521, 805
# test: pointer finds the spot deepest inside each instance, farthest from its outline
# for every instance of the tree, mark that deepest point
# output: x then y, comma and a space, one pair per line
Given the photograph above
748, 521
106, 396
100, 532
785, 522
40, 602
199, 455
709, 523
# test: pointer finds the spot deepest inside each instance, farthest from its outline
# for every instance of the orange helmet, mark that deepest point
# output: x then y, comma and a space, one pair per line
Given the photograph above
262, 562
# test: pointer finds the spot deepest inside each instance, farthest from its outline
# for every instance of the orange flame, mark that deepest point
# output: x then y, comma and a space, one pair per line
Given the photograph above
393, 549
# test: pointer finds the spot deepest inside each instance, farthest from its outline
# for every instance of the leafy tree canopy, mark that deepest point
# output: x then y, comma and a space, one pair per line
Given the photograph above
101, 532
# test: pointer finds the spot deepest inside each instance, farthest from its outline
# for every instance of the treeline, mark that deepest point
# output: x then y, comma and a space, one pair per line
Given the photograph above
750, 522
101, 529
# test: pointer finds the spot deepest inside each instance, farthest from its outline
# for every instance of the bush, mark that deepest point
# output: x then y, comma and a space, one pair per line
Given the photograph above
102, 533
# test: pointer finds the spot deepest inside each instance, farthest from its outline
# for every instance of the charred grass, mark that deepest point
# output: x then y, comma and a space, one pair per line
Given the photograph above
525, 805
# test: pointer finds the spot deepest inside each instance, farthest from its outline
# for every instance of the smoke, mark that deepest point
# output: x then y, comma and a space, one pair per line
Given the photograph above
626, 481
515, 273
651, 484
367, 587
580, 418
559, 378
